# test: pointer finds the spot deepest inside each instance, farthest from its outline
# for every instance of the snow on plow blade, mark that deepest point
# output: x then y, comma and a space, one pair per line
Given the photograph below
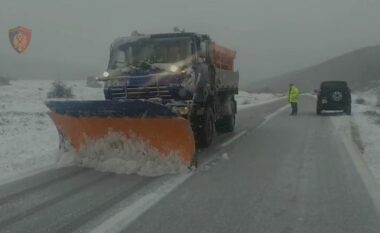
81, 121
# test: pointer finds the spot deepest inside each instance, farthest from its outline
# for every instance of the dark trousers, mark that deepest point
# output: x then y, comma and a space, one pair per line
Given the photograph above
294, 108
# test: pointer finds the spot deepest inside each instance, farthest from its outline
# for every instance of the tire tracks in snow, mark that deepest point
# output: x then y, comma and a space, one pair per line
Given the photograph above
70, 192
121, 220
42, 185
95, 212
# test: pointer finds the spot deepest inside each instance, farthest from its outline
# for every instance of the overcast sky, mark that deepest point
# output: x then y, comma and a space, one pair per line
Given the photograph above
71, 37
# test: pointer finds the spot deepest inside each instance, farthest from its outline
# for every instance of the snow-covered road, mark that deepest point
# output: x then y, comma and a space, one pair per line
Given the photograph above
69, 199
29, 140
292, 174
276, 173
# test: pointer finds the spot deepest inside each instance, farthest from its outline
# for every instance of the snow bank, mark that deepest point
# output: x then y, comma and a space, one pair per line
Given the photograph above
366, 117
119, 155
29, 140
247, 100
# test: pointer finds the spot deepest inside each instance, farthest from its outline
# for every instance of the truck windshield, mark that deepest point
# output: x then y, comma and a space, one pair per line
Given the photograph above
160, 50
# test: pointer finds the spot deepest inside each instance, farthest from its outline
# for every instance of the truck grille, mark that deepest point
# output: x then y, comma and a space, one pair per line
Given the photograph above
118, 92
140, 92
148, 92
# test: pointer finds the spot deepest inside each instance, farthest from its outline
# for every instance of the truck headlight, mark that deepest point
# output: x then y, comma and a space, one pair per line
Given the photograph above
173, 68
184, 110
106, 74
181, 110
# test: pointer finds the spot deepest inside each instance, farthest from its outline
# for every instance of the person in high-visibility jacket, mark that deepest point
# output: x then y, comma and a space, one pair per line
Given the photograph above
293, 98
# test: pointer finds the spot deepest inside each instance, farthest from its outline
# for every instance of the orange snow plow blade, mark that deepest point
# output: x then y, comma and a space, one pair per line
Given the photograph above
82, 121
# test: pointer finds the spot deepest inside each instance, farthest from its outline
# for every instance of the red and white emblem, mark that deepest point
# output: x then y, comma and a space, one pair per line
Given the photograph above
20, 38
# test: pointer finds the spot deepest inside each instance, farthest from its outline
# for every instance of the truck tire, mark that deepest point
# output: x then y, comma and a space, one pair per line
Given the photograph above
206, 131
226, 124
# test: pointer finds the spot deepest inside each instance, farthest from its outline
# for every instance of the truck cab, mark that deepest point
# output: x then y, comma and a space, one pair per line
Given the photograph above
187, 72
156, 66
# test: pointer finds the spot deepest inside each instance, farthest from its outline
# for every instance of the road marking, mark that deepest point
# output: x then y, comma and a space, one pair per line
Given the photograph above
151, 196
242, 133
234, 138
272, 115
124, 218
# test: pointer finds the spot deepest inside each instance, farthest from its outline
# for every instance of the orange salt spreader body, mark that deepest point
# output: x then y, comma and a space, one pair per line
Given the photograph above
79, 122
223, 57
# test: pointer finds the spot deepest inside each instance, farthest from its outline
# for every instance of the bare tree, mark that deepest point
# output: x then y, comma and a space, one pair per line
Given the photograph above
136, 33
4, 80
60, 90
178, 30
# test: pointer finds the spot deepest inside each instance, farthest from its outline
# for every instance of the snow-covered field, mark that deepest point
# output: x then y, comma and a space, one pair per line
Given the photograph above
366, 119
28, 137
247, 100
29, 140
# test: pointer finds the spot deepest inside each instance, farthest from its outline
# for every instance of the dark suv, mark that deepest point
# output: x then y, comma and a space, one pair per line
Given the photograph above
334, 95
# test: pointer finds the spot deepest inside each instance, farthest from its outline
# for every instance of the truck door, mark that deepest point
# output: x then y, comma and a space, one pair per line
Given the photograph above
205, 49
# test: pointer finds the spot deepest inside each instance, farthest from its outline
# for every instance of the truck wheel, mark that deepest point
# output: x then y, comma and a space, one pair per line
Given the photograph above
226, 124
207, 129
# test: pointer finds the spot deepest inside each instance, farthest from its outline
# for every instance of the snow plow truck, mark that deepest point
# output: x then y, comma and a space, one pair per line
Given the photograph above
172, 91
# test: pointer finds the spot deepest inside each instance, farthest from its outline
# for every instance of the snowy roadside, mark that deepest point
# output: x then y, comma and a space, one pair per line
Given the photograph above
29, 140
366, 121
248, 100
